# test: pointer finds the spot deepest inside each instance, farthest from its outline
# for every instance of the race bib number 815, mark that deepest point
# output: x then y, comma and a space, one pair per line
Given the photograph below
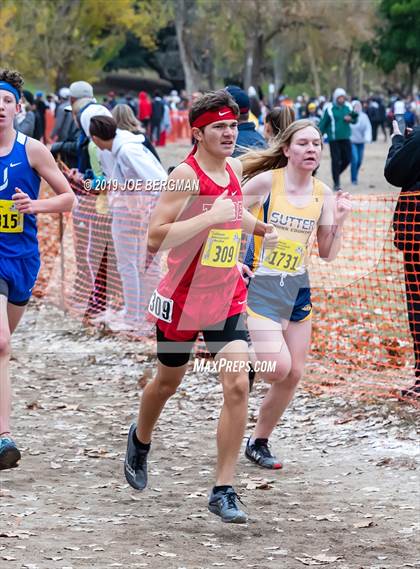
11, 221
161, 307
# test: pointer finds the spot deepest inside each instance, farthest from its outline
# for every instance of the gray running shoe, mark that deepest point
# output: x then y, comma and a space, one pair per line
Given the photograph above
9, 453
135, 464
223, 504
260, 453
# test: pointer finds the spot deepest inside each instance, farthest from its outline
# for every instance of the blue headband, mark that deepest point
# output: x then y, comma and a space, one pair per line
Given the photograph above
7, 87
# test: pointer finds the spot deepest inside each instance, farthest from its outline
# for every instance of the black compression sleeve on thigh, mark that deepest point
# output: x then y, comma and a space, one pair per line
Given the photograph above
4, 288
218, 336
171, 353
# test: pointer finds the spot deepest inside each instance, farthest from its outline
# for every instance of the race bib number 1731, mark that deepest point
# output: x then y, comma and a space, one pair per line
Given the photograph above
285, 257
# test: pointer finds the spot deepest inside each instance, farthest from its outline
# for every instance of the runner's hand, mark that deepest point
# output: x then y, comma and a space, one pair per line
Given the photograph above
396, 129
271, 237
74, 175
245, 271
223, 209
23, 202
343, 207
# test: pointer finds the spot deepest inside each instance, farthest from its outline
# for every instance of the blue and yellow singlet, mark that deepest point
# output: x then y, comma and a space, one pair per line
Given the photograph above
295, 225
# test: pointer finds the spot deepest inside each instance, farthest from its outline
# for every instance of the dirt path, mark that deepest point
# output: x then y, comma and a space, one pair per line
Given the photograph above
347, 497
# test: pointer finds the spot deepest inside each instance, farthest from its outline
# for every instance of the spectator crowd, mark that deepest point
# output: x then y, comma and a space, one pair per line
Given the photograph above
103, 145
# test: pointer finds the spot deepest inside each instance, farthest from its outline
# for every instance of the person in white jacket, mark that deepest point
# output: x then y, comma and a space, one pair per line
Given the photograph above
131, 208
361, 133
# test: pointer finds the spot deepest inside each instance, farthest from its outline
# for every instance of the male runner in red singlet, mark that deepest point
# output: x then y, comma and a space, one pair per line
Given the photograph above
202, 291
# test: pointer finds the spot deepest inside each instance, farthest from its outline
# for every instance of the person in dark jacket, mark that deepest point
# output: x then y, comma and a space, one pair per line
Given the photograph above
67, 145
335, 122
402, 169
25, 121
41, 109
248, 136
158, 110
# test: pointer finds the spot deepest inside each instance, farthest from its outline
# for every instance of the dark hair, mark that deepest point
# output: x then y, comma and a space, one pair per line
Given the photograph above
28, 96
103, 127
212, 101
14, 78
279, 119
255, 106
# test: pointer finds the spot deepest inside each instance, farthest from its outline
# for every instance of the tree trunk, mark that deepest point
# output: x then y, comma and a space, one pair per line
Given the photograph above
349, 72
314, 68
257, 60
281, 56
192, 77
61, 79
249, 62
211, 77
279, 66
361, 74
412, 70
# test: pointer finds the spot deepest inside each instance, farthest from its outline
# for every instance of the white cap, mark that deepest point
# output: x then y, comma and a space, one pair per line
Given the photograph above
81, 89
252, 92
357, 105
64, 92
90, 112
339, 92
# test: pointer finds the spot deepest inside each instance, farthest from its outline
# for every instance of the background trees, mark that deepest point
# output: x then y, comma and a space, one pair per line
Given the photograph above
311, 45
61, 40
397, 38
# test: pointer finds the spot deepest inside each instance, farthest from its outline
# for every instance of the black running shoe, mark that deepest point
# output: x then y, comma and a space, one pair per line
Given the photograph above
9, 453
135, 464
223, 504
260, 453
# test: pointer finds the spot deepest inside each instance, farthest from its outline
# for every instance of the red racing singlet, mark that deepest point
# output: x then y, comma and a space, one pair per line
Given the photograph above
203, 285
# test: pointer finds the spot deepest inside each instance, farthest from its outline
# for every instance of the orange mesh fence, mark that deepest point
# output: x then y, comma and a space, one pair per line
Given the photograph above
49, 124
362, 312
365, 302
180, 127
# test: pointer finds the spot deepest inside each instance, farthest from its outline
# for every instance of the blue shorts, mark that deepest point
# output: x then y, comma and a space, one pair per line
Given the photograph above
18, 277
267, 298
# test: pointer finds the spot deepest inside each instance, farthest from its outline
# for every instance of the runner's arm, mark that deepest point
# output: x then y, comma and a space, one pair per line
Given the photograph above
41, 160
335, 210
165, 232
255, 191
252, 225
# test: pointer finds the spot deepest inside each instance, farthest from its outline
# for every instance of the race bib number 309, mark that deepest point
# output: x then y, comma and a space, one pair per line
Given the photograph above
11, 221
161, 307
222, 248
